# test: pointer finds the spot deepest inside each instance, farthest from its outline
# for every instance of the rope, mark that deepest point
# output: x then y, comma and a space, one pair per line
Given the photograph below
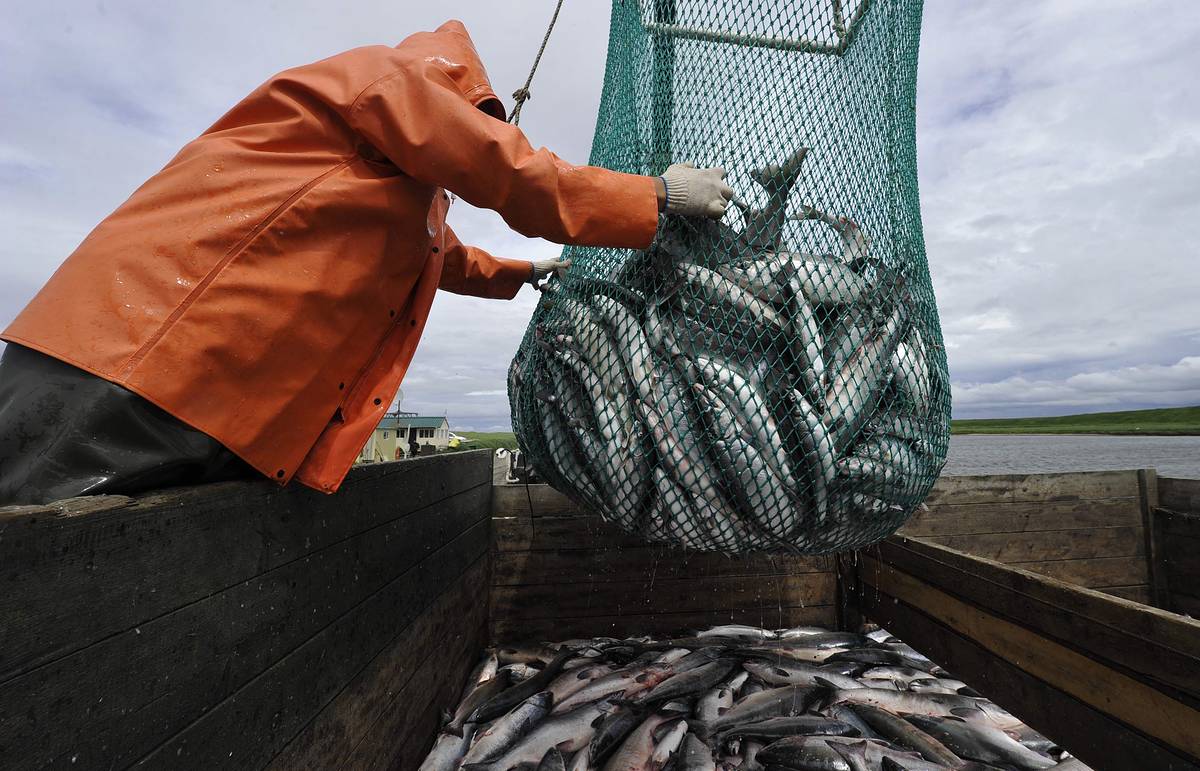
522, 93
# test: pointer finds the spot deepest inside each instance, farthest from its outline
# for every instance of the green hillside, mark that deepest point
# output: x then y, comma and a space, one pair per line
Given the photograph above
493, 440
1172, 421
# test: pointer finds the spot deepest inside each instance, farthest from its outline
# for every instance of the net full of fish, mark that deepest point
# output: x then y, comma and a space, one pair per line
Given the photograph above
730, 697
723, 393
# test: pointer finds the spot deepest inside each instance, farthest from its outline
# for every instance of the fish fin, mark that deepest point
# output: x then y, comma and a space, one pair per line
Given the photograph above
963, 712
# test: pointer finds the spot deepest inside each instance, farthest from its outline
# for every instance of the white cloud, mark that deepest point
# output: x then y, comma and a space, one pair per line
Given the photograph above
1058, 144
1146, 385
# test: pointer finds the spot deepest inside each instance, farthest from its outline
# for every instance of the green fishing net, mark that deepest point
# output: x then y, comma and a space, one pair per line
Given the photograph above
774, 381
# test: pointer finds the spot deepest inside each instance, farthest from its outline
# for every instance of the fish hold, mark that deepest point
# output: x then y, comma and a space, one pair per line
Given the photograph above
738, 630
506, 731
667, 741
818, 752
694, 755
448, 751
779, 727
552, 761
568, 732
624, 683
776, 702
877, 657
787, 672
637, 751
479, 694
898, 730
928, 704
574, 680
689, 683
982, 743
611, 732
506, 700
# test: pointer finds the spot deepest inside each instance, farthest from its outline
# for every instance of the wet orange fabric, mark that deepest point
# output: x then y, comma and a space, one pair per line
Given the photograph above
269, 285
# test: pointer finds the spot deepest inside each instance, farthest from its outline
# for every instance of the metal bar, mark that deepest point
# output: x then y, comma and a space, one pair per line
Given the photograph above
803, 45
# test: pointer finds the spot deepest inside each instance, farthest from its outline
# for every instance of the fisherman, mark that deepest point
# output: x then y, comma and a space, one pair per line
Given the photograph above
253, 307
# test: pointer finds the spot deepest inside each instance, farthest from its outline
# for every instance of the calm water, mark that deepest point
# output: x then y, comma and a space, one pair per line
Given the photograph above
1173, 456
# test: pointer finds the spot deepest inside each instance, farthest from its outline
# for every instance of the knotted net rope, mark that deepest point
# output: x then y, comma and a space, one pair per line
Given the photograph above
774, 381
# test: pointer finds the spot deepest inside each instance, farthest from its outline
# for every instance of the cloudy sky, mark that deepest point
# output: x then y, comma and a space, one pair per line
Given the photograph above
1059, 151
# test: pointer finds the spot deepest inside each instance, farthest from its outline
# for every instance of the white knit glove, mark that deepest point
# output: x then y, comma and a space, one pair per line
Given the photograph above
540, 269
696, 192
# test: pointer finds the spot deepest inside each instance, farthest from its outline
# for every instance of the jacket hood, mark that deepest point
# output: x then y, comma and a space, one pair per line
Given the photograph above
450, 49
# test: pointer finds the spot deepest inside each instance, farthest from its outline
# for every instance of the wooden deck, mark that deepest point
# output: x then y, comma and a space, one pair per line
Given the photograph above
243, 625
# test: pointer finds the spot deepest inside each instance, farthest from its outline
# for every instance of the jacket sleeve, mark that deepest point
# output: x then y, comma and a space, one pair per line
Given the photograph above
471, 271
423, 124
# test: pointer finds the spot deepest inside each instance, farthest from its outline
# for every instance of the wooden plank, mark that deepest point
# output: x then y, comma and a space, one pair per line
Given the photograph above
1181, 495
1092, 736
182, 663
415, 746
849, 617
532, 501
968, 518
1147, 503
560, 532
679, 595
591, 566
1186, 604
1126, 699
1154, 644
251, 726
71, 581
456, 614
1181, 563
1139, 593
505, 629
1180, 525
1089, 609
1093, 573
1160, 574
1087, 485
403, 734
1049, 544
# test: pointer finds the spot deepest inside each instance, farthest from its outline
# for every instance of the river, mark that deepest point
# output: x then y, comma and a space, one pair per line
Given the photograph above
1172, 456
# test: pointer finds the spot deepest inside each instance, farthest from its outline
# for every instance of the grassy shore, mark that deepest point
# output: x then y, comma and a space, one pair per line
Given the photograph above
494, 440
1177, 421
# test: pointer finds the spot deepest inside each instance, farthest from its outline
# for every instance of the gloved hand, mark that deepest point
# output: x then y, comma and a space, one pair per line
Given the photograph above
540, 269
696, 192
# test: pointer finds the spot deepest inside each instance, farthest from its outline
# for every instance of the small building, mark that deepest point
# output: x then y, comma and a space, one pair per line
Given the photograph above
399, 434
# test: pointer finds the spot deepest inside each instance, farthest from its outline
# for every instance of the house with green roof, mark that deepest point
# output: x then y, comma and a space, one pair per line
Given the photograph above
401, 434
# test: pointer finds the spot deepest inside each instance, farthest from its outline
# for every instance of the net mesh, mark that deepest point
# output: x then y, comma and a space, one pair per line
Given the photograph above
775, 380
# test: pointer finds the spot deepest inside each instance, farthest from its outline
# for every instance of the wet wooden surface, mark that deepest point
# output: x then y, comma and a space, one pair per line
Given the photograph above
561, 572
1087, 528
1115, 682
217, 626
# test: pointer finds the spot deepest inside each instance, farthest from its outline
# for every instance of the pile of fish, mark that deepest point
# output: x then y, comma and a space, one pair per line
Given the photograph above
720, 393
730, 698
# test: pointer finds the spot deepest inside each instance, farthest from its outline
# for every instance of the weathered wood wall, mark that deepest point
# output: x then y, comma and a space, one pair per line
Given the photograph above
1176, 528
1084, 528
1115, 682
560, 573
240, 625
1182, 495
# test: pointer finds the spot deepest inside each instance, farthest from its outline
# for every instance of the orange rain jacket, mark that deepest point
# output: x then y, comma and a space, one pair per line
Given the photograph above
269, 286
